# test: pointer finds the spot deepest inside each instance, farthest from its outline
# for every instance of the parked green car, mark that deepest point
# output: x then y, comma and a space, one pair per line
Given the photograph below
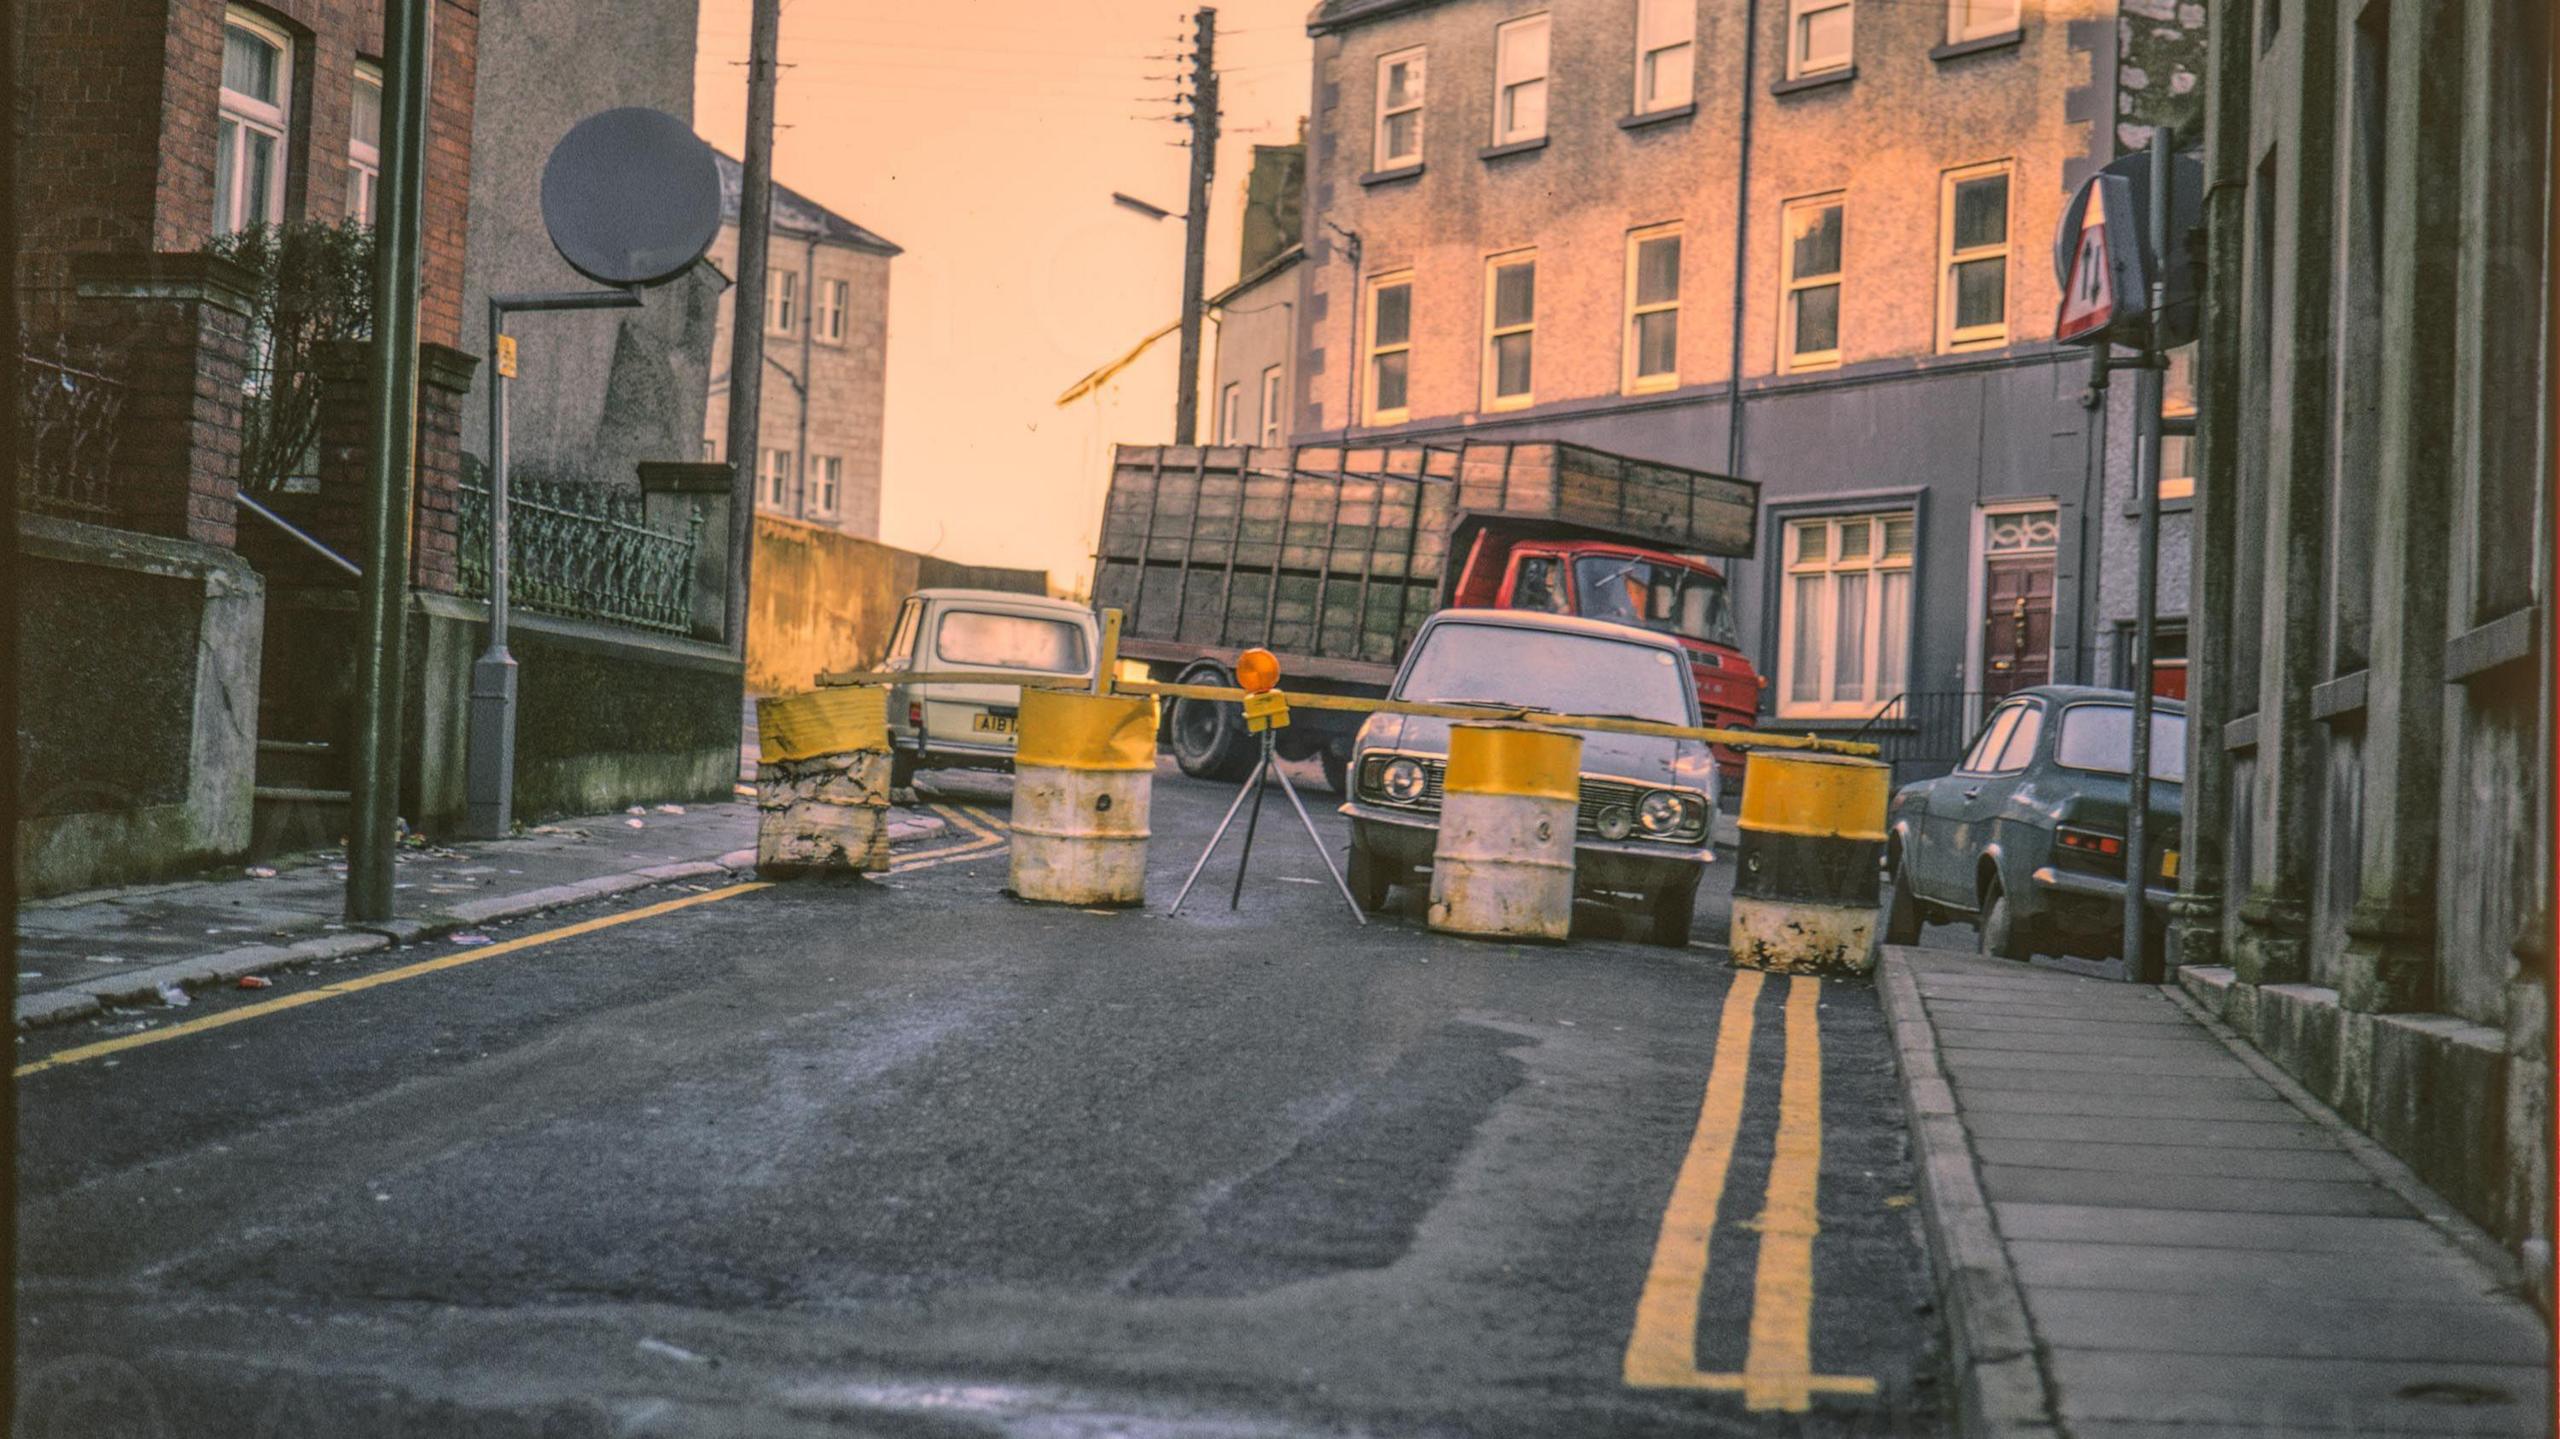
2026, 838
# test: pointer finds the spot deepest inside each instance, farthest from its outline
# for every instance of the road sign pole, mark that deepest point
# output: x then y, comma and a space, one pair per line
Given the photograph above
2138, 965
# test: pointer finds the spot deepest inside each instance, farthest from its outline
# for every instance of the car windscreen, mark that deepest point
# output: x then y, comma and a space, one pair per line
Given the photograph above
1541, 669
2099, 738
1671, 599
980, 639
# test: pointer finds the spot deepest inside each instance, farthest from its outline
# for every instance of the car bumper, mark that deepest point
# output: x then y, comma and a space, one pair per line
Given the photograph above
2090, 896
1408, 839
953, 754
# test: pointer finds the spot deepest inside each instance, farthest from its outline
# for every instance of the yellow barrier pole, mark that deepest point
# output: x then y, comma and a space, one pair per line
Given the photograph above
1502, 865
822, 782
1083, 785
1804, 892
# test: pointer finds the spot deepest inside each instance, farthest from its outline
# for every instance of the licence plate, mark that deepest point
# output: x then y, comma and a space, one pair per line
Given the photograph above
992, 724
2169, 864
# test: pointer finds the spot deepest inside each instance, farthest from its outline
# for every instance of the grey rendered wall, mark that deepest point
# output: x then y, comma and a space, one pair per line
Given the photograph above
1256, 330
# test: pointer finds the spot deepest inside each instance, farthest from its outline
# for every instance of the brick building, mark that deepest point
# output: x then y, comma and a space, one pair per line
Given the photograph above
2365, 884
1802, 241
826, 352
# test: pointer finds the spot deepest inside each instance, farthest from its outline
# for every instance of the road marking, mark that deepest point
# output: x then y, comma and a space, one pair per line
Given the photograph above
1779, 1366
981, 843
1662, 1351
82, 1053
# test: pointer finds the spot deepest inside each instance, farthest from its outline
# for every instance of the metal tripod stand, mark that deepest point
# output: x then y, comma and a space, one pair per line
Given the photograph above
1265, 769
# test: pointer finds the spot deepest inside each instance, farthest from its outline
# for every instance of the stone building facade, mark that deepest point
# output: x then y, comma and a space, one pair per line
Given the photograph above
2366, 876
826, 354
1803, 242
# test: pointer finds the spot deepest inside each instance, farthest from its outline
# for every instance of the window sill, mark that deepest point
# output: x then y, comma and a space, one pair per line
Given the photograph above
1508, 403
1811, 367
1659, 117
2478, 653
1841, 76
1389, 177
1387, 417
1958, 49
2169, 505
1652, 385
1516, 147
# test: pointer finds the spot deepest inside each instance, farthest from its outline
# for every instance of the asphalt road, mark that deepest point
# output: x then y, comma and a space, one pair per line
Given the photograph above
900, 1156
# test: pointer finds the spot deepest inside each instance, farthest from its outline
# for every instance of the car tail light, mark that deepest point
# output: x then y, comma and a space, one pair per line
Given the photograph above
915, 714
2089, 841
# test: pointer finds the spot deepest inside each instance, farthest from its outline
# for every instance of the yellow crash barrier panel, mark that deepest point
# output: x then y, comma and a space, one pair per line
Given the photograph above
822, 783
1083, 782
1503, 864
1804, 888
1267, 709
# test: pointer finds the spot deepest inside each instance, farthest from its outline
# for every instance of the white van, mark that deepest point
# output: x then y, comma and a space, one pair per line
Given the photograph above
945, 726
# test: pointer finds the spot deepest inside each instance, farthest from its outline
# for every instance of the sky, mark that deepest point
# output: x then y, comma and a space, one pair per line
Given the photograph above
988, 148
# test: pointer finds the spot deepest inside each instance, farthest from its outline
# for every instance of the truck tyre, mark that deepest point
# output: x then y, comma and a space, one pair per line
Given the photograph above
1673, 908
1337, 769
1209, 737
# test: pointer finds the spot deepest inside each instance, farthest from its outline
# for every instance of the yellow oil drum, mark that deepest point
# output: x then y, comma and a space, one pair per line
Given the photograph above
1503, 864
1083, 779
1804, 887
822, 782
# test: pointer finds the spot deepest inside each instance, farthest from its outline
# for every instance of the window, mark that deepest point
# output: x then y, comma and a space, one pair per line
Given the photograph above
830, 298
1809, 308
1230, 412
2178, 425
249, 146
1980, 19
782, 306
1653, 309
1400, 109
1666, 35
1973, 259
2099, 738
2020, 751
364, 144
1995, 738
1845, 622
1520, 81
1271, 399
777, 479
1510, 319
1390, 347
975, 639
1817, 37
826, 483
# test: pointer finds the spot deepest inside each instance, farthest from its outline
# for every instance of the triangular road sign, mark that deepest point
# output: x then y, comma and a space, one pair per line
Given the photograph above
2089, 296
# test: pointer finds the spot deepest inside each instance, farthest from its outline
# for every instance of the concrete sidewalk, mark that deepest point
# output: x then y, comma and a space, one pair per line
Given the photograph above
2140, 1227
80, 952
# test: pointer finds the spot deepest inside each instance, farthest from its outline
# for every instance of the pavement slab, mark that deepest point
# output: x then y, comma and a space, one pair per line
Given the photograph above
2198, 1250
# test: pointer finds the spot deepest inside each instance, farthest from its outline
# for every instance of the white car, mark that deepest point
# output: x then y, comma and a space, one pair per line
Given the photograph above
976, 726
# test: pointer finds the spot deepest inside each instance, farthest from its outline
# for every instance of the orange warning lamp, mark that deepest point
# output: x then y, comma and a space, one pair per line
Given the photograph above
1257, 671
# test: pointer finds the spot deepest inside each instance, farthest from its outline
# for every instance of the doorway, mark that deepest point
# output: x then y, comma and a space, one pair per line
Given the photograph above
2018, 548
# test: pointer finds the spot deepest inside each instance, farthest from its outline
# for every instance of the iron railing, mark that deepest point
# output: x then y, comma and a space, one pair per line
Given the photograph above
583, 551
1923, 733
66, 456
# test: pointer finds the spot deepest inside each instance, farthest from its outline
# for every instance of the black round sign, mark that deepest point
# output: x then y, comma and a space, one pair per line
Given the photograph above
631, 196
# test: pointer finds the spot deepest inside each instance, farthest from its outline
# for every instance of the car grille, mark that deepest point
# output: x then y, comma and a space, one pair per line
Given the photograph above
1597, 795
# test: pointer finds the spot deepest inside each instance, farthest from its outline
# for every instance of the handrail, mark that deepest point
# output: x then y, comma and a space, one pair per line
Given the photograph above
280, 522
1881, 713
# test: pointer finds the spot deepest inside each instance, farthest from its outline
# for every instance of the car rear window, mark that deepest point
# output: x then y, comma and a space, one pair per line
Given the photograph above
1009, 642
2099, 738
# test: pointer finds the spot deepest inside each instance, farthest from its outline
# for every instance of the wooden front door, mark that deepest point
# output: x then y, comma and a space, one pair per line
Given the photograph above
2017, 623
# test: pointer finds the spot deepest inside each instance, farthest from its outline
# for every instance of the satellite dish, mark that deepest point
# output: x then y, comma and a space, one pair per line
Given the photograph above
631, 197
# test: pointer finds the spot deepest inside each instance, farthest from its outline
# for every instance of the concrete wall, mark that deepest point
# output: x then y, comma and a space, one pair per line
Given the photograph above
137, 705
820, 397
823, 600
597, 391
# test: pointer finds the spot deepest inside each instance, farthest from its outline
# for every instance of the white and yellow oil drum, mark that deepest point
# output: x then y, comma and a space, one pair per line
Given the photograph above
1804, 887
1503, 864
1083, 778
822, 782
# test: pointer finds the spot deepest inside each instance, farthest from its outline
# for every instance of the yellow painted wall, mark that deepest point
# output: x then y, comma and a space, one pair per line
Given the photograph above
820, 599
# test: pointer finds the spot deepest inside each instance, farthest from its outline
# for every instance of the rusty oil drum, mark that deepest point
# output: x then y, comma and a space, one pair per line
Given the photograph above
1502, 866
1083, 780
1804, 890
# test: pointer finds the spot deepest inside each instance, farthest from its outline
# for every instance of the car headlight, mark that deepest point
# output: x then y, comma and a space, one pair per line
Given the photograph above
1660, 813
1402, 780
1614, 822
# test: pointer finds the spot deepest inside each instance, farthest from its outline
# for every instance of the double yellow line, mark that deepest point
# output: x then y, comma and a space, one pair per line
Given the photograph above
986, 836
1777, 1370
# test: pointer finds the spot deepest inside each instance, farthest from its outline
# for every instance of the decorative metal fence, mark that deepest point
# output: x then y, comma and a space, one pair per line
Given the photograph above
582, 551
66, 459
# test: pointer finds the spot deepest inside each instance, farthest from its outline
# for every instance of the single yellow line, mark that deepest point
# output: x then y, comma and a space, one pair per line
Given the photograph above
1662, 1352
82, 1053
1780, 1360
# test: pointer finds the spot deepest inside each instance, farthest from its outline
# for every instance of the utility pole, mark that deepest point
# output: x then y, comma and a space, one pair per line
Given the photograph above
2146, 405
746, 313
391, 403
1195, 220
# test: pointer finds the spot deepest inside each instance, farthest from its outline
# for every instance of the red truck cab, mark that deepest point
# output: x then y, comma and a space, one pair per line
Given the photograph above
1683, 596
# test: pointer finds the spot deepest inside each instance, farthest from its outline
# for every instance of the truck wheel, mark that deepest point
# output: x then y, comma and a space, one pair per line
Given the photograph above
1337, 770
1209, 737
1673, 909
